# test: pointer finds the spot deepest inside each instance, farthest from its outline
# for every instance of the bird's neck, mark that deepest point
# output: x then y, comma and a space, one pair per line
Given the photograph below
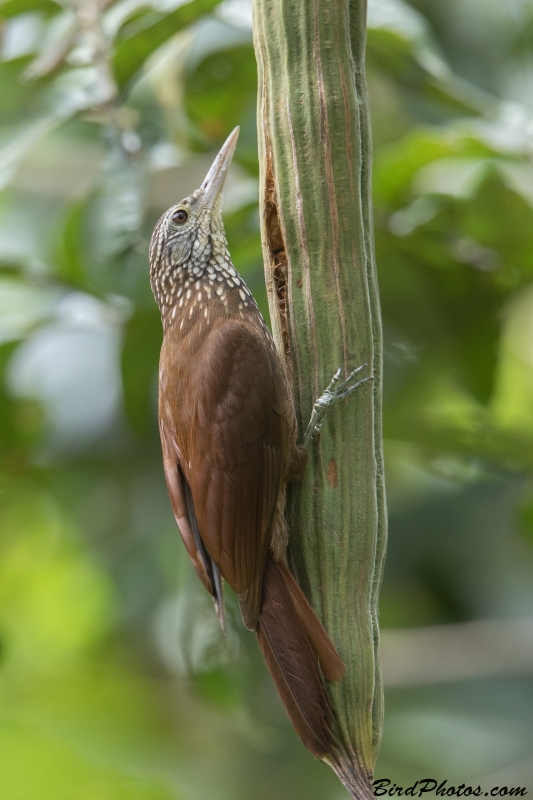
186, 293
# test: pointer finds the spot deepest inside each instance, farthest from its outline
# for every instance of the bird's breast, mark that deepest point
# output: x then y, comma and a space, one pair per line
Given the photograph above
200, 312
197, 304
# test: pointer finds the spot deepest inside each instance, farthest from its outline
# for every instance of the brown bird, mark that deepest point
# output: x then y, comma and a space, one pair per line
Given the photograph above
228, 434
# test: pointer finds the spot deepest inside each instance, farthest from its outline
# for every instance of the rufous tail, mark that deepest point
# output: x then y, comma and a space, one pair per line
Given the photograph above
299, 655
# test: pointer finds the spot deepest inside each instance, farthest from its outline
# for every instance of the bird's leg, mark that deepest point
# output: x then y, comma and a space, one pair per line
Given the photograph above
336, 390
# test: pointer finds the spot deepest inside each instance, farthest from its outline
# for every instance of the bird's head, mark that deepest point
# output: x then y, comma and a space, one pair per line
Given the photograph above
190, 235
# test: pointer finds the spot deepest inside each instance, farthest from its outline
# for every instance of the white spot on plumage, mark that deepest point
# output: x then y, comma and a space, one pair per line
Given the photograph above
208, 273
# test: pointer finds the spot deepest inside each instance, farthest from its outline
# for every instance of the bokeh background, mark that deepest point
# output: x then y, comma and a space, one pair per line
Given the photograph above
115, 681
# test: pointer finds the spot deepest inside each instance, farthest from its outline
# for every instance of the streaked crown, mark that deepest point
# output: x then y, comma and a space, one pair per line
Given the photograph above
189, 257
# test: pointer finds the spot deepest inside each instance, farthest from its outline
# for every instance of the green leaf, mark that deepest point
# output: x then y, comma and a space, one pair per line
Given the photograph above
23, 307
140, 357
219, 687
116, 211
12, 8
16, 96
501, 219
133, 49
69, 258
61, 100
221, 90
21, 420
397, 164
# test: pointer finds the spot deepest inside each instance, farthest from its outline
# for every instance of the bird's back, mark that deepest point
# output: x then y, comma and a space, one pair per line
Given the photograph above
224, 398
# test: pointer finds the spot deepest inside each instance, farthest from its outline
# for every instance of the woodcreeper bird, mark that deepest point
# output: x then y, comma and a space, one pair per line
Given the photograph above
228, 435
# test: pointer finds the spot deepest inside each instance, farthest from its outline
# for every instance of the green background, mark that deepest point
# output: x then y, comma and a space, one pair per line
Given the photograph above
115, 681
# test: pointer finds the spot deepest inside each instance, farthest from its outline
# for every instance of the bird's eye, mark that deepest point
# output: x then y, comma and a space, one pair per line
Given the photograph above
180, 216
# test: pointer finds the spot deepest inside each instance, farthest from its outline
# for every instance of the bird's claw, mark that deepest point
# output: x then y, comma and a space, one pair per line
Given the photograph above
335, 391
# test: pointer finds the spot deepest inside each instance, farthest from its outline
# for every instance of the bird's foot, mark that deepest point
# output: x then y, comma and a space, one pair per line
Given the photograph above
337, 390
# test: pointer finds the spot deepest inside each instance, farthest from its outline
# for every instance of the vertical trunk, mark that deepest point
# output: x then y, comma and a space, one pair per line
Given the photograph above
315, 156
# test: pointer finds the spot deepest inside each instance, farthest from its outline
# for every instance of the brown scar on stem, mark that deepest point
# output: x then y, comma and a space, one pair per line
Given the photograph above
332, 473
278, 258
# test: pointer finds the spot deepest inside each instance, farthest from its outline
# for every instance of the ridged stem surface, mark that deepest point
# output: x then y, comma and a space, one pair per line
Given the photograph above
315, 157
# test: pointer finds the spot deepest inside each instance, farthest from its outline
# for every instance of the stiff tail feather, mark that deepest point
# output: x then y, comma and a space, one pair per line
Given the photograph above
294, 643
331, 663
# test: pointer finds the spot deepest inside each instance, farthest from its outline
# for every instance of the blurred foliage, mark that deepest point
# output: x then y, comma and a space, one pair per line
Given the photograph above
115, 681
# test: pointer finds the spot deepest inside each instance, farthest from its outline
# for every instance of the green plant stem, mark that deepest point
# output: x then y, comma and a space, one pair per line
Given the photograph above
315, 156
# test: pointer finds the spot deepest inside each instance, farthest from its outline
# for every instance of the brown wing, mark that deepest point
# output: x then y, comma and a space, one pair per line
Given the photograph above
233, 459
183, 507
